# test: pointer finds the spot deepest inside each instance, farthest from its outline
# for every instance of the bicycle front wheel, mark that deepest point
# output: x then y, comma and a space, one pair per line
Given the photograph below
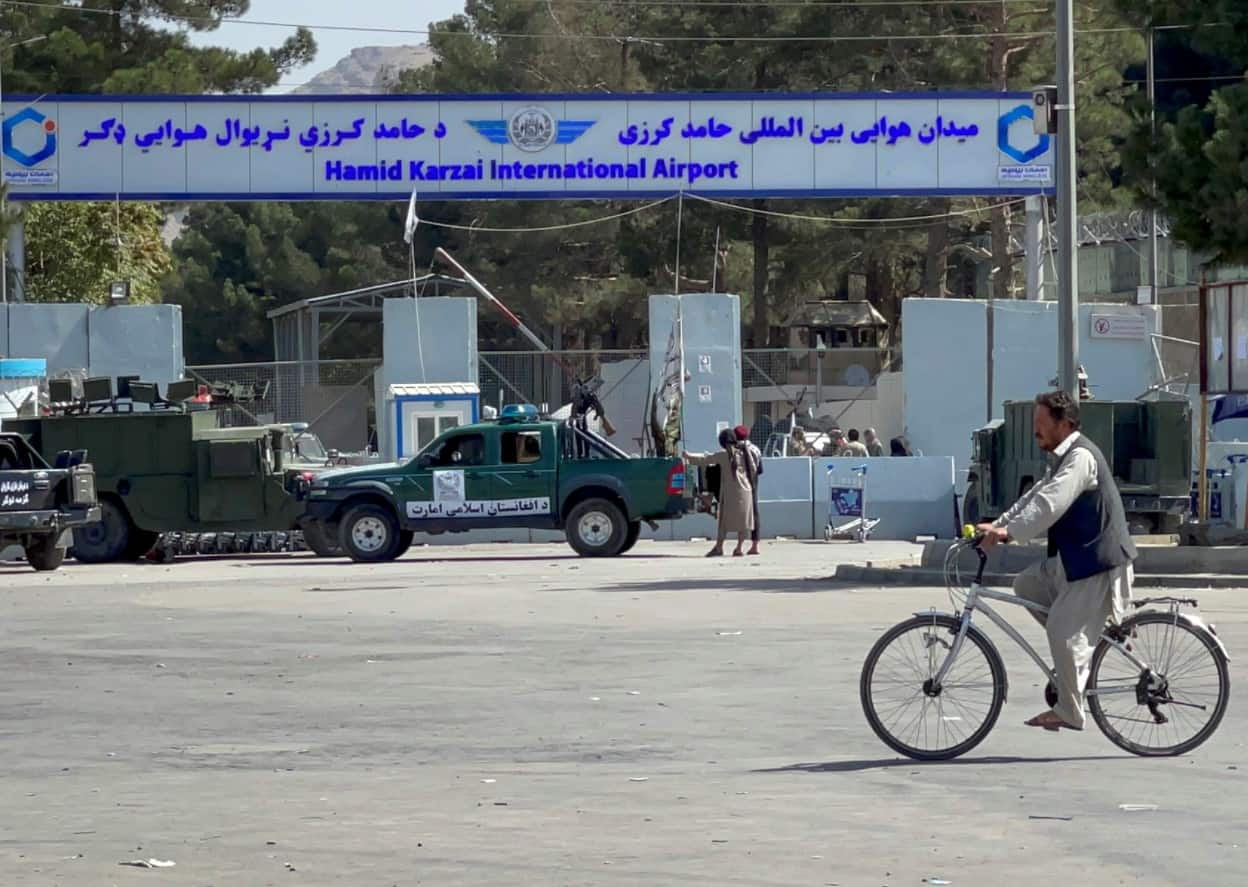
1171, 706
909, 712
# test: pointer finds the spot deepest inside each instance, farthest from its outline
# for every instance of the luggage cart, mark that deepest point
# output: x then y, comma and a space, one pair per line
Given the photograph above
847, 505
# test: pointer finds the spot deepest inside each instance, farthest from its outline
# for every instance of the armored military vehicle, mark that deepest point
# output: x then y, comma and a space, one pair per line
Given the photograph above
1148, 444
173, 471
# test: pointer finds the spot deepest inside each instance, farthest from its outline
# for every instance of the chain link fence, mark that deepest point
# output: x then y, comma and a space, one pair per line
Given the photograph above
811, 368
336, 397
288, 391
545, 377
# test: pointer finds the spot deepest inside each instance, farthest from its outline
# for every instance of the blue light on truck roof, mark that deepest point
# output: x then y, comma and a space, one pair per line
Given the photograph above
518, 412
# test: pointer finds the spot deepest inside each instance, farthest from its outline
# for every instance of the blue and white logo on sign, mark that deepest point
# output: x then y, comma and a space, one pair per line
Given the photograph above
531, 129
1021, 155
29, 116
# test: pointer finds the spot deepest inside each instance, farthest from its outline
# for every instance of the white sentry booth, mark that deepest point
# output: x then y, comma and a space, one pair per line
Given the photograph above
421, 412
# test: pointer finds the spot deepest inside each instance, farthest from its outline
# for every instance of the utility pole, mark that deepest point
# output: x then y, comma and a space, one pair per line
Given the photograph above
1067, 209
1154, 260
4, 209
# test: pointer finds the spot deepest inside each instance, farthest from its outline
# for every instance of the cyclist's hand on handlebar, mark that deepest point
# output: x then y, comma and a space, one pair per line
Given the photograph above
991, 535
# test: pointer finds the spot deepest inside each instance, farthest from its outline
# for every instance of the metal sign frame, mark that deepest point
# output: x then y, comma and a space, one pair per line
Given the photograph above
48, 152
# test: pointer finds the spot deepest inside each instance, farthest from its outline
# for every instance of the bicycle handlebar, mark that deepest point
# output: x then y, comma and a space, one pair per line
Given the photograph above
971, 538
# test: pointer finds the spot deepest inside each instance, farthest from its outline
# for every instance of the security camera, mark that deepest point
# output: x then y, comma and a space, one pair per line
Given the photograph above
1044, 109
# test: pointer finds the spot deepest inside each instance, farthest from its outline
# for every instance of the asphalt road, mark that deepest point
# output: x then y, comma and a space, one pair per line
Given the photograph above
510, 715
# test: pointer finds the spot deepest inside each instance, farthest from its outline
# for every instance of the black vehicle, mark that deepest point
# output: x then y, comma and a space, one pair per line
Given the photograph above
39, 502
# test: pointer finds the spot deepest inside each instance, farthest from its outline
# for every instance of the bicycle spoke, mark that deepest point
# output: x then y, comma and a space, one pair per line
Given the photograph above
1188, 681
946, 719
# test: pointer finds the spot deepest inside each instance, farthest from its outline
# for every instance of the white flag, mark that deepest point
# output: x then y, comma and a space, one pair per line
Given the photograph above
409, 230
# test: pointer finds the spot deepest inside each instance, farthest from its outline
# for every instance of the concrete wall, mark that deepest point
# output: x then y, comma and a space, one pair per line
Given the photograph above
112, 341
712, 358
445, 328
911, 496
142, 339
946, 366
625, 396
57, 333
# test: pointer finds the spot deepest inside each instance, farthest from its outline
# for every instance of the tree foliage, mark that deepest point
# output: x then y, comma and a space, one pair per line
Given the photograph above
236, 262
1198, 151
74, 251
101, 46
118, 46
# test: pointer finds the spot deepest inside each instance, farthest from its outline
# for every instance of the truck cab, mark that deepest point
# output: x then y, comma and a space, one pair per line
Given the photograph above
40, 503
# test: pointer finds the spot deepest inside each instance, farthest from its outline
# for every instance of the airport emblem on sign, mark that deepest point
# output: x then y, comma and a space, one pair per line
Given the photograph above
531, 129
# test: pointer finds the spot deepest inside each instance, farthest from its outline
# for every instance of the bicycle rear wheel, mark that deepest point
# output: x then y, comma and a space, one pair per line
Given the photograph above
1169, 708
909, 713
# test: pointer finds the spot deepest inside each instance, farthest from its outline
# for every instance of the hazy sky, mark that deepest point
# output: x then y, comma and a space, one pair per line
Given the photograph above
331, 45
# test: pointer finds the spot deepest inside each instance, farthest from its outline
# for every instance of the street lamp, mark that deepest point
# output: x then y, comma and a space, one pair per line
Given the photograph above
4, 252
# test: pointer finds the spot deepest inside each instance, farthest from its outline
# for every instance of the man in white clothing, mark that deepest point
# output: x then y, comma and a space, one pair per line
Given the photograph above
1086, 578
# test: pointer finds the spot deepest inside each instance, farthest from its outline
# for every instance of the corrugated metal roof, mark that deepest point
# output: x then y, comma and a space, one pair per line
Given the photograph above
435, 389
835, 312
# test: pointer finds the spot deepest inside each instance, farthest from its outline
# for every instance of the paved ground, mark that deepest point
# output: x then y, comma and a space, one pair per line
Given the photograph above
514, 716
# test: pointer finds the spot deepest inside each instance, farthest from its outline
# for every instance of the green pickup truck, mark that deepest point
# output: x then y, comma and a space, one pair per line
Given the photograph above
517, 472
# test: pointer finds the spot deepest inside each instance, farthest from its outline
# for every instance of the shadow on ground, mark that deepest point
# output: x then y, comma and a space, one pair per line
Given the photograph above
738, 582
885, 763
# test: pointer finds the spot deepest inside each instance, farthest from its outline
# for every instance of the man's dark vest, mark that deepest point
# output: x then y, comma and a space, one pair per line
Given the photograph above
1092, 537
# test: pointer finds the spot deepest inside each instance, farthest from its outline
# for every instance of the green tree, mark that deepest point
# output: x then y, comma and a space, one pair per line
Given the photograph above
74, 251
100, 46
1198, 155
236, 262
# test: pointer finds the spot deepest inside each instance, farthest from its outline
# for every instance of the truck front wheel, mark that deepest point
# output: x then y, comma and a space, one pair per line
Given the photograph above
370, 533
44, 554
105, 541
596, 528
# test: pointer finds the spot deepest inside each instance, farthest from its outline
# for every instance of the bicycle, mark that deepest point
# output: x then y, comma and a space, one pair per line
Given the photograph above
920, 680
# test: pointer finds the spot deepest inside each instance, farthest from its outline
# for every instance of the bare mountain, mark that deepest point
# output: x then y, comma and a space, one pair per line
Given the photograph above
364, 70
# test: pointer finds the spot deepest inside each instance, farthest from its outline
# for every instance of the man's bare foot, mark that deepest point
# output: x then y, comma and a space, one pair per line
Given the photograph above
753, 550
1049, 721
717, 551
737, 552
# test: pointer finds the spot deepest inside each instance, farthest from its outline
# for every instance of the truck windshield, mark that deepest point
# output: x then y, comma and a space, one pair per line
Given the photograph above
308, 447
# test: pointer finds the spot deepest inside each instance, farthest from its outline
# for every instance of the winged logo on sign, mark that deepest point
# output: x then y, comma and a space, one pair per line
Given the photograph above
531, 129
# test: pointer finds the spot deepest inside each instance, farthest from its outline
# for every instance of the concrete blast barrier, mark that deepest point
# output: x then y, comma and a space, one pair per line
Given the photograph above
912, 496
105, 341
431, 339
711, 331
945, 351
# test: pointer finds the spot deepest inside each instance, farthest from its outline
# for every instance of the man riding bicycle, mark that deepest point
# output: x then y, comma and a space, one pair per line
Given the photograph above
1086, 577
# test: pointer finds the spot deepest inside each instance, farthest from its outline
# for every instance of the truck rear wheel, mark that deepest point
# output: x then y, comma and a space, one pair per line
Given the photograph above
596, 528
634, 533
44, 554
319, 541
105, 541
970, 504
370, 533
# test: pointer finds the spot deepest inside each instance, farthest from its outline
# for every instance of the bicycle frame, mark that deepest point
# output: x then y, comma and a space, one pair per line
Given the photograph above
976, 600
